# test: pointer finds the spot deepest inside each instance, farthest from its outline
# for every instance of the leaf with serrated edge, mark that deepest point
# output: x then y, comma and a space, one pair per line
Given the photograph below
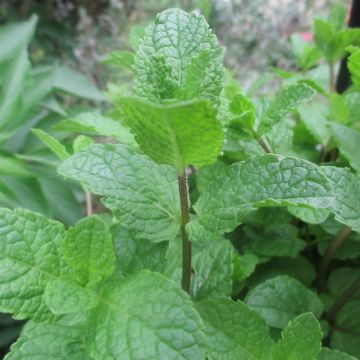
234, 331
264, 181
179, 134
300, 340
29, 259
347, 190
145, 316
88, 249
281, 299
177, 38
142, 194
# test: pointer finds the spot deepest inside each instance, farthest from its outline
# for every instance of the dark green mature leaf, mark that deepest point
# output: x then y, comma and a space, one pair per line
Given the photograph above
328, 354
180, 134
348, 141
29, 259
288, 99
267, 180
175, 41
281, 299
88, 249
142, 194
347, 190
145, 316
300, 340
234, 331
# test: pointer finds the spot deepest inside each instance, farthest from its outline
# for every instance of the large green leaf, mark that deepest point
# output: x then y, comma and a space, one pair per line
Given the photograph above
142, 194
347, 190
145, 316
300, 340
267, 180
288, 99
29, 259
88, 249
175, 45
281, 299
179, 134
233, 331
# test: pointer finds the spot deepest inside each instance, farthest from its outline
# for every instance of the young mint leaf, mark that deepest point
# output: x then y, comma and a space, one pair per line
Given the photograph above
145, 316
311, 216
268, 180
120, 59
29, 259
337, 17
339, 112
289, 98
179, 134
49, 341
168, 48
88, 249
94, 123
55, 146
306, 55
67, 297
134, 253
348, 141
300, 340
244, 113
329, 354
234, 331
353, 64
281, 299
82, 142
347, 191
142, 194
213, 271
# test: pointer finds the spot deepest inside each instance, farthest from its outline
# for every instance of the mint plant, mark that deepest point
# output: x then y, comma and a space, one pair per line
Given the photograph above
211, 215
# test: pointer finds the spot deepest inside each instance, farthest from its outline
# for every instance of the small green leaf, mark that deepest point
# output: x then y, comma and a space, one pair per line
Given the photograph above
143, 195
339, 111
300, 340
234, 331
145, 316
244, 112
329, 354
353, 64
94, 123
281, 299
348, 141
88, 249
179, 135
66, 297
82, 142
347, 191
120, 59
55, 146
264, 181
288, 99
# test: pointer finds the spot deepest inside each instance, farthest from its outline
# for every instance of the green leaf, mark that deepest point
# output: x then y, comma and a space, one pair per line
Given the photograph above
137, 33
121, 59
94, 123
213, 271
82, 142
348, 141
300, 340
329, 354
208, 173
311, 216
234, 331
347, 191
339, 111
306, 55
268, 180
88, 249
11, 166
29, 259
289, 98
178, 134
49, 341
281, 299
134, 253
341, 279
145, 316
353, 64
66, 297
175, 41
337, 16
143, 195
244, 113
55, 146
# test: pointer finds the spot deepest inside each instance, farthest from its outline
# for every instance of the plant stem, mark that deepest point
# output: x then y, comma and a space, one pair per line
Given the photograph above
262, 142
186, 244
330, 252
332, 77
89, 209
345, 297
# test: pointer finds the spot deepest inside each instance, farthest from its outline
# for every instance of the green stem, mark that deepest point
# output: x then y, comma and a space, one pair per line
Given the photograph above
262, 142
330, 252
345, 297
89, 209
332, 77
186, 244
